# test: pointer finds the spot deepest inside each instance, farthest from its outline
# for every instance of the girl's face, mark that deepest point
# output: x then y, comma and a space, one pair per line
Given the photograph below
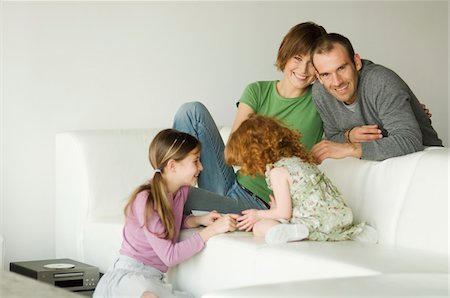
299, 71
189, 168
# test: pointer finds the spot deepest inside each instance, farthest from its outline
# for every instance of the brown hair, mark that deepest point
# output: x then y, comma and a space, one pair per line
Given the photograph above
262, 140
298, 41
167, 144
327, 42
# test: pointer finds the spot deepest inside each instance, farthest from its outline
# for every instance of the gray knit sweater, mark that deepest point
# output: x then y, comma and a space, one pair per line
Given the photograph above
385, 99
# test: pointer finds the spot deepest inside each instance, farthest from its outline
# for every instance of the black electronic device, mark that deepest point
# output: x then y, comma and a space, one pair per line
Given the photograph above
63, 273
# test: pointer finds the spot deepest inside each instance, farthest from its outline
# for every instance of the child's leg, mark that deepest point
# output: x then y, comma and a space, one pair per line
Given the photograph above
283, 233
261, 227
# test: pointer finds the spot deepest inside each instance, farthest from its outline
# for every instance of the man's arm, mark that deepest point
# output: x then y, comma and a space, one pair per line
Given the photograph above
386, 102
390, 97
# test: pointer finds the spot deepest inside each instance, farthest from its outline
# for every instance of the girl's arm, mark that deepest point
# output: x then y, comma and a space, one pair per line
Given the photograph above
280, 181
282, 207
172, 253
192, 221
223, 224
214, 222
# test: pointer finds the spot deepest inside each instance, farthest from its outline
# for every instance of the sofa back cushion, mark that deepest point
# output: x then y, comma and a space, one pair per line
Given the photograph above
114, 163
405, 198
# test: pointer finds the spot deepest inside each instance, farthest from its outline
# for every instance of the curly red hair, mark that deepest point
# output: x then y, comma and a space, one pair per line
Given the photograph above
262, 140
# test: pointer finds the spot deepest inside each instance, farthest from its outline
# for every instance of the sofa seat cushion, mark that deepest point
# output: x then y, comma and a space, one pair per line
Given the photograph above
239, 259
385, 285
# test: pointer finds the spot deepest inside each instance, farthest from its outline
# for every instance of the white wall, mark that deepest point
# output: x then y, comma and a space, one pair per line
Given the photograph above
95, 65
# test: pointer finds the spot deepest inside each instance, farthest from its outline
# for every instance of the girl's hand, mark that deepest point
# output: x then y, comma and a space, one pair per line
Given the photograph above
248, 219
208, 219
223, 224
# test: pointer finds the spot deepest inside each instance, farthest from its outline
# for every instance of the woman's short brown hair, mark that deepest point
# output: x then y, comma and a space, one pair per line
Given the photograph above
298, 41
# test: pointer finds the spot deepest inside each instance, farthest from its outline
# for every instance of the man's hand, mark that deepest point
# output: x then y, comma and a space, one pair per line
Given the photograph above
328, 149
426, 110
364, 133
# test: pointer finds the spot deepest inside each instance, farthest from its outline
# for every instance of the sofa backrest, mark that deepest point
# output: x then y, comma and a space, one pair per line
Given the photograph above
405, 198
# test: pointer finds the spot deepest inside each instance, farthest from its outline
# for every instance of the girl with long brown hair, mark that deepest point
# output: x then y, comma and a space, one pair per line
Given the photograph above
154, 218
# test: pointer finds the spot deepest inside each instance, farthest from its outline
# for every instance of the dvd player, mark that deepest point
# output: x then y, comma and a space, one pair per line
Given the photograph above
64, 273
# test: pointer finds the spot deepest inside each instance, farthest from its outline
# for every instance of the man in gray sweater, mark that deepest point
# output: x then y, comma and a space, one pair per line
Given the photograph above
367, 110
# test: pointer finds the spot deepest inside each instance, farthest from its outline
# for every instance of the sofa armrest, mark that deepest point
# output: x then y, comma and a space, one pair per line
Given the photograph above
96, 171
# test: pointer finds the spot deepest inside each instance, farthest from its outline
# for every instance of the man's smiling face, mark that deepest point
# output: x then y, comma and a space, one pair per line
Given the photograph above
338, 73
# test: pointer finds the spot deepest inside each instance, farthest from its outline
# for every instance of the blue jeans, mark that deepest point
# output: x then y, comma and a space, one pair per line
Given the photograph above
218, 189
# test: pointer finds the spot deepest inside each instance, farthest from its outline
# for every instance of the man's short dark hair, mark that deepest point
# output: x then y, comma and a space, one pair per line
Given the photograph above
326, 43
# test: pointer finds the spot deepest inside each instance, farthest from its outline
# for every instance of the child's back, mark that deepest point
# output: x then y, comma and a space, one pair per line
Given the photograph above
316, 202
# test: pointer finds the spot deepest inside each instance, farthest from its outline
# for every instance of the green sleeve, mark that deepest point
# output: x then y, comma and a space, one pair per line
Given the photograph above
250, 96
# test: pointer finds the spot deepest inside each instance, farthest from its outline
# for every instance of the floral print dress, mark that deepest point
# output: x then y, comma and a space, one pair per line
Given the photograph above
316, 202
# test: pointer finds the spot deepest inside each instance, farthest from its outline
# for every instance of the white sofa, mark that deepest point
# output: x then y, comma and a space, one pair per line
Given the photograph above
404, 198
2, 252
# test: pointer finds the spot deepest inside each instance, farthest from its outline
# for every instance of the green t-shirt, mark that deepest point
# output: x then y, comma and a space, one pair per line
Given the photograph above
298, 113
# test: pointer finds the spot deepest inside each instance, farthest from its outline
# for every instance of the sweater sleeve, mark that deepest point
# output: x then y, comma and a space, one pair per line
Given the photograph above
172, 253
326, 108
183, 221
390, 97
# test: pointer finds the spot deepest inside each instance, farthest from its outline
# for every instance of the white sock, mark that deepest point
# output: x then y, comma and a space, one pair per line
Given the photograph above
368, 234
283, 233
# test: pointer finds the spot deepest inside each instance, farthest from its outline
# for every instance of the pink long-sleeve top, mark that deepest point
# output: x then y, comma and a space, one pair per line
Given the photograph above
143, 244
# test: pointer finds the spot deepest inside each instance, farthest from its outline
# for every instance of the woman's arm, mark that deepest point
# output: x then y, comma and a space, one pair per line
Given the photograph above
242, 114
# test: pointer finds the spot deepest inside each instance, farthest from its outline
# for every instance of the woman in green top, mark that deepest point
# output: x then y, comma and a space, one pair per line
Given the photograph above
288, 100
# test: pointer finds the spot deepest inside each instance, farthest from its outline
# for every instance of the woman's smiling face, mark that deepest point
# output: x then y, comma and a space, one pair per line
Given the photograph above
299, 71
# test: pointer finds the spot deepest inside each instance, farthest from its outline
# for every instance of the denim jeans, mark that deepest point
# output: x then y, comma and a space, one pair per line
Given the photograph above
218, 189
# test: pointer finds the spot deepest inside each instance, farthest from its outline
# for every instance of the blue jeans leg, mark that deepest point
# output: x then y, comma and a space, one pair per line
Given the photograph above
195, 119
